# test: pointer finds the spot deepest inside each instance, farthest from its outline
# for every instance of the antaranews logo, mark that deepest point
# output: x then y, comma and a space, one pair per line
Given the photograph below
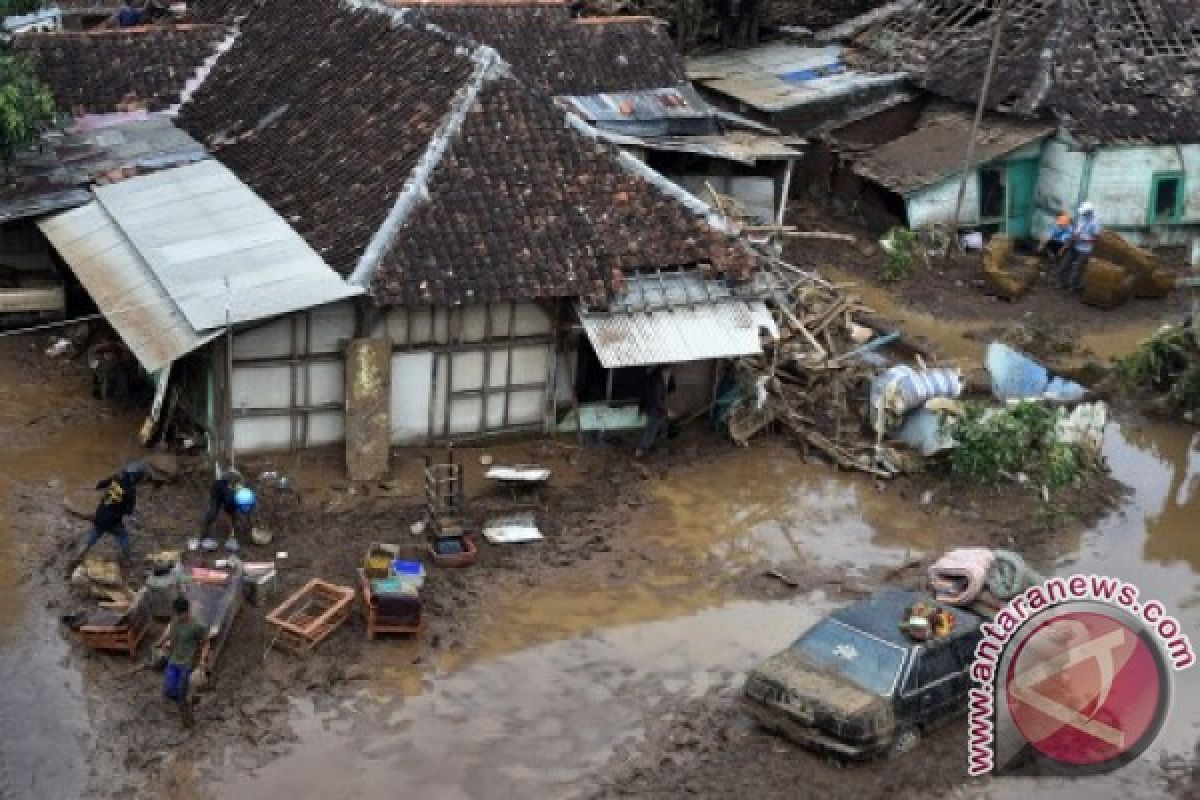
1072, 677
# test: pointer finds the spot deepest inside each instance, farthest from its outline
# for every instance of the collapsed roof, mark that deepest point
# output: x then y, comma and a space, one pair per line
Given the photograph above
558, 55
105, 71
1109, 71
423, 167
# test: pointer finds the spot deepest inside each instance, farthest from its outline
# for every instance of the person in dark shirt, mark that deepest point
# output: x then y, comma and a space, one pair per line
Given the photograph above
225, 495
659, 383
118, 502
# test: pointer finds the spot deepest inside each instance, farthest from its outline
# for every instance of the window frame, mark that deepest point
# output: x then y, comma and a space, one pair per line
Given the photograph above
1176, 216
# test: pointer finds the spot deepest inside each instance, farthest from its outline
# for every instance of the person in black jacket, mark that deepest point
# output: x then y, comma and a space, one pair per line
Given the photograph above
119, 501
659, 384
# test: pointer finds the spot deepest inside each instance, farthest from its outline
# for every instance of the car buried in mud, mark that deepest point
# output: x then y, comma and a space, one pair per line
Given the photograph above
856, 686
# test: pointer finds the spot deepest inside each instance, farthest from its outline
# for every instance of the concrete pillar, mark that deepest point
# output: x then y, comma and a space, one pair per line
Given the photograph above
368, 401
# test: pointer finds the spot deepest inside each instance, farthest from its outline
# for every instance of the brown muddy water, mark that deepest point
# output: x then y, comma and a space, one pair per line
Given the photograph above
521, 720
565, 672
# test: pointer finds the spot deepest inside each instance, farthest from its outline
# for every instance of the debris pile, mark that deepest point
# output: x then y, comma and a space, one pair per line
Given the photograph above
812, 380
1168, 366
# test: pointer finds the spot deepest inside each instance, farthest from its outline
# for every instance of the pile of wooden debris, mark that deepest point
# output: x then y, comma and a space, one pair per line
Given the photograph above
812, 381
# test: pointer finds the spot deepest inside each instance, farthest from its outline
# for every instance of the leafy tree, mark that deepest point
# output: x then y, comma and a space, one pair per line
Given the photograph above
26, 105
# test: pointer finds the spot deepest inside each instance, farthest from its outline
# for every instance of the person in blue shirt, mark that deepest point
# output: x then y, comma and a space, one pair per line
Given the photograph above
1083, 239
1055, 243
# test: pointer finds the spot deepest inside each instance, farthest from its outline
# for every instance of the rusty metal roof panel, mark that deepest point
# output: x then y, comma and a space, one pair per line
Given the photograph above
116, 277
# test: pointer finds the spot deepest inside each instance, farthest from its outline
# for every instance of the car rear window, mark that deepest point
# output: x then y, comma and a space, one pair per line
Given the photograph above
869, 662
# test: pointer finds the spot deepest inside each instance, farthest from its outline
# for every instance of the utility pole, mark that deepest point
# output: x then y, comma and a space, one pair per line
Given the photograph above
969, 161
229, 372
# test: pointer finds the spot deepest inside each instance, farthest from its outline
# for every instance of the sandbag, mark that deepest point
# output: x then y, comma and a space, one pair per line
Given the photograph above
1158, 283
1113, 247
1009, 575
1106, 285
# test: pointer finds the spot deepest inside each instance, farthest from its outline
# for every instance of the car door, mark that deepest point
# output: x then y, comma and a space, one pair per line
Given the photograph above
941, 681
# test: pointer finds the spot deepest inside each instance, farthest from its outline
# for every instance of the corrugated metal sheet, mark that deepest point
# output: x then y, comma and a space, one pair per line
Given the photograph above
117, 279
672, 318
777, 77
645, 105
198, 225
689, 333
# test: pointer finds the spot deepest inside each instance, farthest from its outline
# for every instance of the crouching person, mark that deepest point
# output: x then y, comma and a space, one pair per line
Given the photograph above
185, 643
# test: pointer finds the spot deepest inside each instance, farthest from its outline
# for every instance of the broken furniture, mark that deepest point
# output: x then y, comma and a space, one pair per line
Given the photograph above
311, 614
390, 612
214, 604
117, 629
445, 499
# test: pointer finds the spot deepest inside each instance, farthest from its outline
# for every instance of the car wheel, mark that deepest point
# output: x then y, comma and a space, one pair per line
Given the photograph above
906, 740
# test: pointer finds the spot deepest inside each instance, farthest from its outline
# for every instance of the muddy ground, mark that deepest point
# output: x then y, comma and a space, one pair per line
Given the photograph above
587, 514
955, 290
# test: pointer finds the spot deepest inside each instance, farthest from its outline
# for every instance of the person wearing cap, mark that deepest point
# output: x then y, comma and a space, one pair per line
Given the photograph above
229, 494
1057, 237
1083, 239
118, 502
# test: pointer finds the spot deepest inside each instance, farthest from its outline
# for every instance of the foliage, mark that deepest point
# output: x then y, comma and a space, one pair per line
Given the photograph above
900, 244
995, 444
1168, 363
26, 106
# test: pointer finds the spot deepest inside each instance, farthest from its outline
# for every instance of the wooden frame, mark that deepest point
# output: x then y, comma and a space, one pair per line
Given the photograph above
311, 614
371, 614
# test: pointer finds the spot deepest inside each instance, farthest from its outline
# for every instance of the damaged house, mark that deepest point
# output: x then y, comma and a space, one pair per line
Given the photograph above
384, 181
1116, 81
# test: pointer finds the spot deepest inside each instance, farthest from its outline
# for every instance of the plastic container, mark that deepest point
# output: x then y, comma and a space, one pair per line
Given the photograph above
411, 573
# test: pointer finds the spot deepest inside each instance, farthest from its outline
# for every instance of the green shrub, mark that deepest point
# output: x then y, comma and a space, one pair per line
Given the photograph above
996, 444
1169, 364
900, 245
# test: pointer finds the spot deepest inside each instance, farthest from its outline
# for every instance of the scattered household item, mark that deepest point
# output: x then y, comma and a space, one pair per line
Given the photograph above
259, 581
972, 240
261, 536
102, 571
378, 560
925, 620
1009, 575
208, 544
512, 529
215, 605
523, 481
193, 544
923, 430
310, 615
231, 544
456, 550
208, 576
399, 612
162, 586
412, 572
117, 629
960, 575
1084, 426
1016, 376
1009, 277
902, 389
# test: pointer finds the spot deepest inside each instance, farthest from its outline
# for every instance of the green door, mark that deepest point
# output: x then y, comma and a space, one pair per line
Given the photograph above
1021, 179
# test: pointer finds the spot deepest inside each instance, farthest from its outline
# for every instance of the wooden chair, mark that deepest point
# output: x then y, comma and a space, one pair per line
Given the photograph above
118, 630
384, 619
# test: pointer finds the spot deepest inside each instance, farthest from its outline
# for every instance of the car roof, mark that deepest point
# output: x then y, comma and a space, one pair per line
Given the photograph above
881, 613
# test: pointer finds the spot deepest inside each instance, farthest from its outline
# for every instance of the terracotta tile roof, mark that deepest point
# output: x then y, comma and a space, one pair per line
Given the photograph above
103, 71
522, 206
508, 202
555, 54
1107, 70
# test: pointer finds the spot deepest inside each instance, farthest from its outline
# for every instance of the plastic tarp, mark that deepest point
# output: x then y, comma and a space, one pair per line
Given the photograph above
1016, 376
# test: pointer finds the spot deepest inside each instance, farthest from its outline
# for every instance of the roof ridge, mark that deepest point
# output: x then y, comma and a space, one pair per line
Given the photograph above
488, 66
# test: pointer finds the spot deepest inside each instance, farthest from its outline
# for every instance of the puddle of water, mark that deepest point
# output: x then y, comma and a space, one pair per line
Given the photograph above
43, 714
527, 724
